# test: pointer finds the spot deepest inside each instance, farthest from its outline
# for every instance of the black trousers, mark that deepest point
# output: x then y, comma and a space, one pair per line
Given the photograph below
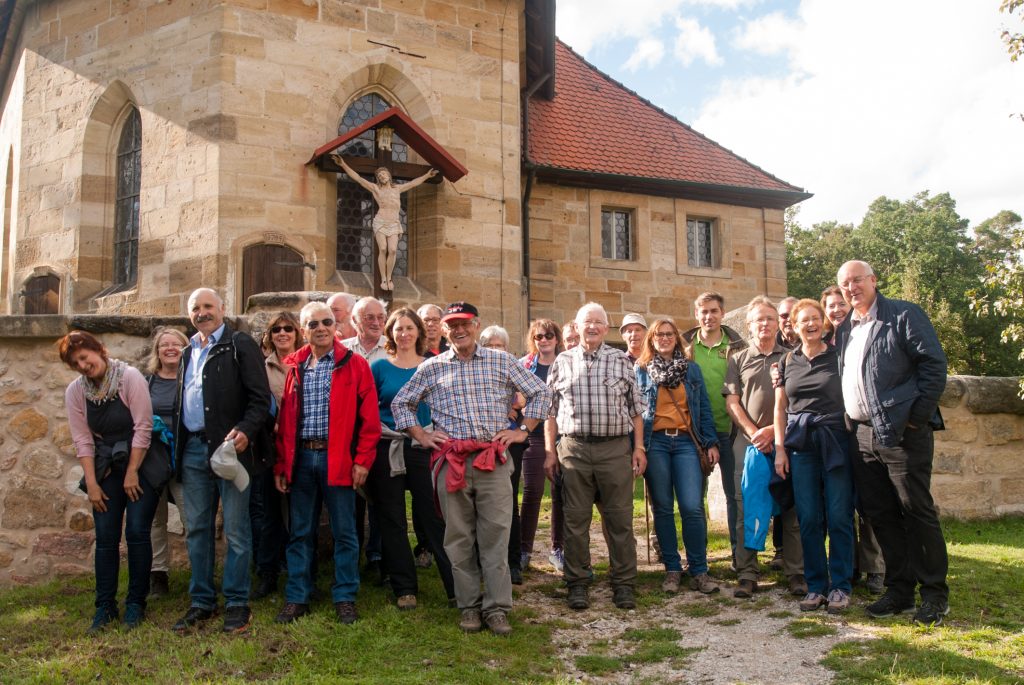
894, 485
515, 535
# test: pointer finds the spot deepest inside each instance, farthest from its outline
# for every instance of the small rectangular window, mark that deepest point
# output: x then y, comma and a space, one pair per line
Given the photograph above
617, 234
699, 243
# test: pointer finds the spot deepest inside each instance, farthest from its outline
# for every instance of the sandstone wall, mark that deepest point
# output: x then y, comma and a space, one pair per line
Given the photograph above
567, 270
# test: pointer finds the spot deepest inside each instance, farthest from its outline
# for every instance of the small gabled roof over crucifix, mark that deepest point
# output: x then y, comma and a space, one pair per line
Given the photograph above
418, 139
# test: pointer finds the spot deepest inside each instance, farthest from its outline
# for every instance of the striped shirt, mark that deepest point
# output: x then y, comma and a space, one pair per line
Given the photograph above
316, 396
595, 394
470, 399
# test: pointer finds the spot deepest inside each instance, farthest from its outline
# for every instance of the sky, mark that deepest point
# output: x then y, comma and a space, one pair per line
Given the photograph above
848, 100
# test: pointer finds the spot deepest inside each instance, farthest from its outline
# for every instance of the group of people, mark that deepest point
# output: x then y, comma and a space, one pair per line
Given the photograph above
820, 410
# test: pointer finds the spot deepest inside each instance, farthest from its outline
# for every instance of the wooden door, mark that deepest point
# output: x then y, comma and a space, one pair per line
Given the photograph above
270, 269
42, 295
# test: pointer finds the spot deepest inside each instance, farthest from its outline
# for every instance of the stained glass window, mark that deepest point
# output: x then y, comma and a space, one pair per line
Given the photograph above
699, 234
126, 210
616, 234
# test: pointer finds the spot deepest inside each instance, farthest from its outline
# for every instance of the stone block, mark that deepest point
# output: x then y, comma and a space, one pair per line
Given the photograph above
341, 13
64, 545
962, 498
43, 464
28, 425
81, 522
6, 558
71, 570
992, 461
1011, 491
999, 429
960, 427
215, 128
947, 460
442, 13
380, 23
954, 392
33, 504
987, 395
301, 9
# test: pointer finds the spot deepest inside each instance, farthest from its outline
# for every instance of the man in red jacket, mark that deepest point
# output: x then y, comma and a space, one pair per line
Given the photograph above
328, 429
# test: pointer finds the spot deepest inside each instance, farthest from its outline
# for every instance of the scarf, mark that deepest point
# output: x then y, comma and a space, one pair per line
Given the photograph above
107, 388
668, 374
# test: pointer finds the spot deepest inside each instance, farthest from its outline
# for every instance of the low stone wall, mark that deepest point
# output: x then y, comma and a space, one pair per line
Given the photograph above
46, 523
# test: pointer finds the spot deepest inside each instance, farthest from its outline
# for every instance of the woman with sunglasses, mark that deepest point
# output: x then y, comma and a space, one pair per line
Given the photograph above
543, 344
678, 411
401, 465
111, 420
282, 337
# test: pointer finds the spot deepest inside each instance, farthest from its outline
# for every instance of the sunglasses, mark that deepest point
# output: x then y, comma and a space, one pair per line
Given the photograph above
666, 334
314, 324
544, 336
286, 329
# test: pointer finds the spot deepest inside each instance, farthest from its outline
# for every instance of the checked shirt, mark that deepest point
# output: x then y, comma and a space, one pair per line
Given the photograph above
316, 396
595, 394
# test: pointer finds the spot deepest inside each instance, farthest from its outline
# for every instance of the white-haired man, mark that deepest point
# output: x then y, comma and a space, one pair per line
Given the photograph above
341, 305
368, 317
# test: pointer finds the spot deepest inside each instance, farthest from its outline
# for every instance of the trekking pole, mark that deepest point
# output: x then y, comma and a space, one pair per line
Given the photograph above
647, 518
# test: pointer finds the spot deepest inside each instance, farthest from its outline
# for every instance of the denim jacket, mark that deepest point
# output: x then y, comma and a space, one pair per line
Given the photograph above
696, 400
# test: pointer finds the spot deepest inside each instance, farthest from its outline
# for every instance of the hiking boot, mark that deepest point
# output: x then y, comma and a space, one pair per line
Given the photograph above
875, 583
469, 621
798, 585
703, 584
745, 589
889, 605
524, 560
133, 616
237, 619
346, 612
192, 618
931, 613
812, 602
838, 601
777, 563
578, 598
557, 559
672, 581
406, 602
516, 574
158, 584
424, 559
498, 623
623, 598
103, 617
291, 612
264, 588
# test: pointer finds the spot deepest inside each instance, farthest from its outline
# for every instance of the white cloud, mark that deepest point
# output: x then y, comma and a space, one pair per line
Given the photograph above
695, 42
882, 98
583, 24
771, 34
648, 53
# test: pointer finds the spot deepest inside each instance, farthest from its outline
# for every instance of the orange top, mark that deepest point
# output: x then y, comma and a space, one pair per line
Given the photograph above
666, 414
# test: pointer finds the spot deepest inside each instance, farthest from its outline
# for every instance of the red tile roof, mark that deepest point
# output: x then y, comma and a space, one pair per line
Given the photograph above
595, 124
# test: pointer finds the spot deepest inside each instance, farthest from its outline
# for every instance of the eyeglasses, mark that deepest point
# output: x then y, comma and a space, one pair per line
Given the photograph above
666, 334
544, 336
314, 324
783, 315
432, 319
287, 329
372, 317
856, 280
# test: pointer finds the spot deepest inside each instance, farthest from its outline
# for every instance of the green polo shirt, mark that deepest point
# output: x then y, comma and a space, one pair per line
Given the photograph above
714, 362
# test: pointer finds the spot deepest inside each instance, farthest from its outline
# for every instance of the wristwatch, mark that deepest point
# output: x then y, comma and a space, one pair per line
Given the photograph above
523, 428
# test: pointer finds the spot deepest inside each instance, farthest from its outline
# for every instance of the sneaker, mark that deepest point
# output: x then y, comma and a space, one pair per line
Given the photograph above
703, 584
931, 613
469, 621
158, 584
578, 598
103, 617
557, 560
875, 583
346, 612
889, 605
264, 588
798, 585
517, 575
623, 598
745, 589
133, 616
192, 618
838, 601
237, 619
291, 612
812, 601
672, 581
424, 559
498, 623
406, 602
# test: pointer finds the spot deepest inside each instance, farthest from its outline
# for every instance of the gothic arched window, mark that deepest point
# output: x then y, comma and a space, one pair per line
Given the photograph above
126, 211
355, 208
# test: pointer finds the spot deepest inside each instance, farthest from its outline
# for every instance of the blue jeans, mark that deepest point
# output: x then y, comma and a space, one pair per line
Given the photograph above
202, 489
727, 468
309, 479
138, 519
673, 466
823, 495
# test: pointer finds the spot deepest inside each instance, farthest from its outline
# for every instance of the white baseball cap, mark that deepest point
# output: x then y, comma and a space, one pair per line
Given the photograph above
225, 464
633, 318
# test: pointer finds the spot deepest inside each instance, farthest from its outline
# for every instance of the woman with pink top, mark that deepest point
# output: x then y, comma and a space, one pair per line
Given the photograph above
111, 420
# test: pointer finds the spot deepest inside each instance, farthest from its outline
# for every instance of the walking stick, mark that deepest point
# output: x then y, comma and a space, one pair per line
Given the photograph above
647, 517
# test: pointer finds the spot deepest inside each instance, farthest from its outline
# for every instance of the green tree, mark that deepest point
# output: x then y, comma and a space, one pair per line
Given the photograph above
814, 255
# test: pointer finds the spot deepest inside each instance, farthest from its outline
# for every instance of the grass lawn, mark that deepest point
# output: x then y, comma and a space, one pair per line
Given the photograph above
42, 633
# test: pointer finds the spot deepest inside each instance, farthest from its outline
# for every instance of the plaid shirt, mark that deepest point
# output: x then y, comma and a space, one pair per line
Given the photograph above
595, 394
470, 400
316, 396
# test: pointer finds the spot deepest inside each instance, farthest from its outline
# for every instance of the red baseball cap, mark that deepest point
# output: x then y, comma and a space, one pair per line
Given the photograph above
459, 310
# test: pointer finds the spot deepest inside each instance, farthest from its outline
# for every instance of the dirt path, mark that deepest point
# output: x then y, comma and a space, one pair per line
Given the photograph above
689, 637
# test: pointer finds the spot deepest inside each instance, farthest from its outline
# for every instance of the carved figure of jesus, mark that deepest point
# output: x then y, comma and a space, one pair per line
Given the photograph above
387, 225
